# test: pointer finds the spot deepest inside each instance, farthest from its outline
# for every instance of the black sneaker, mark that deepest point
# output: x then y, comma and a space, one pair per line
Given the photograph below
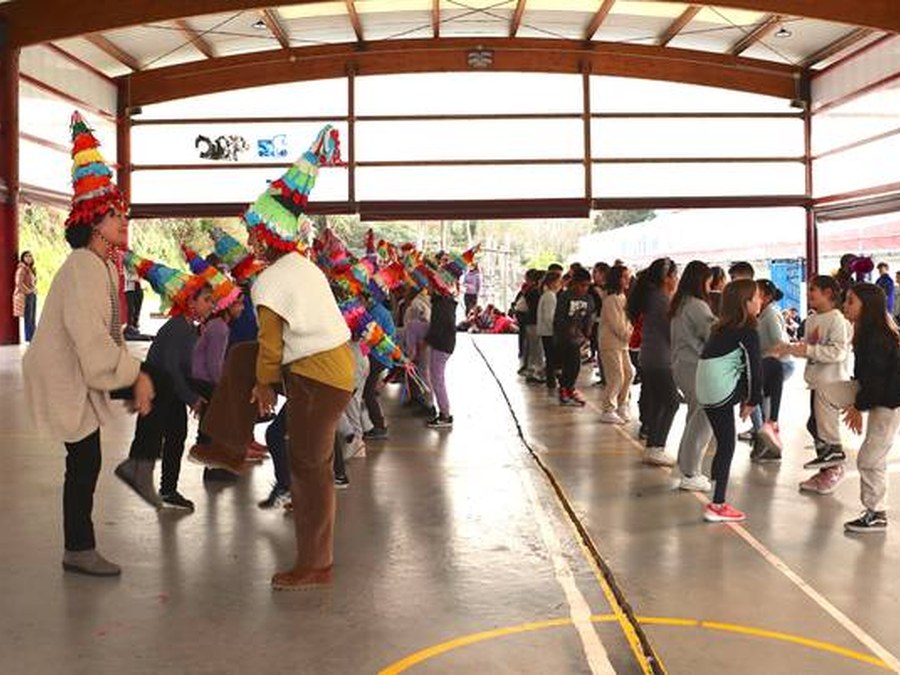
218, 476
277, 497
747, 436
830, 455
440, 422
175, 500
869, 521
375, 434
341, 482
766, 455
757, 448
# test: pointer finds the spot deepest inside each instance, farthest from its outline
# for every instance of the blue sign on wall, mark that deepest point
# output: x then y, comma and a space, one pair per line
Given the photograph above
788, 275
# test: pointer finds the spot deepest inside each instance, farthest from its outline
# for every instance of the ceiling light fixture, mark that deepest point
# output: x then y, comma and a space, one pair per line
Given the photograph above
783, 33
259, 25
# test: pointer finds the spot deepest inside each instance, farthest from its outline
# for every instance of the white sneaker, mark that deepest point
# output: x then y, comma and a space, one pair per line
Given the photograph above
610, 417
624, 413
658, 457
698, 483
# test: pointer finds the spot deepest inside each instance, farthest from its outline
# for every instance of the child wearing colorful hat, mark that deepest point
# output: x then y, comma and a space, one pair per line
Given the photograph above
78, 354
188, 300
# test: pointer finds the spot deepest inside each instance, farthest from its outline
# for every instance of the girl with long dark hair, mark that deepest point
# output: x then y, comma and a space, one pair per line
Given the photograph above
729, 374
875, 389
692, 319
650, 300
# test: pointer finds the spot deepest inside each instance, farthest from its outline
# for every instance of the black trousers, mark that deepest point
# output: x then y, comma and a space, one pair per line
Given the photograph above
568, 356
133, 301
721, 419
660, 396
162, 432
370, 392
471, 300
550, 364
82, 470
773, 385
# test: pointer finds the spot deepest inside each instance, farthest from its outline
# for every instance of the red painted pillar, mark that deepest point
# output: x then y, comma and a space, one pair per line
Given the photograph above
812, 228
123, 177
9, 175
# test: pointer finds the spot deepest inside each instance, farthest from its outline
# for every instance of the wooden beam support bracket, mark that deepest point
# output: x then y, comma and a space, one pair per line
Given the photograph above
114, 51
275, 28
678, 25
766, 26
354, 20
517, 18
598, 19
197, 41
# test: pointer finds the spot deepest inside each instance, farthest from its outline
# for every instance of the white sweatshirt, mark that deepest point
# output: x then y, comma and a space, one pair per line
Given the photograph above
546, 309
828, 346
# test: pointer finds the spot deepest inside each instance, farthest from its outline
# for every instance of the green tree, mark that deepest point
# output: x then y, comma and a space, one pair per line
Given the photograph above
612, 218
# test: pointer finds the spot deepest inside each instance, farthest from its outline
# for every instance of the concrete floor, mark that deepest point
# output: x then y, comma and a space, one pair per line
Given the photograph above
453, 541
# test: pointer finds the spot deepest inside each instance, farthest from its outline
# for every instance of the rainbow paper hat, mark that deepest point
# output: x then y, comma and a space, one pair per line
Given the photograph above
457, 263
275, 216
94, 190
225, 291
242, 264
175, 288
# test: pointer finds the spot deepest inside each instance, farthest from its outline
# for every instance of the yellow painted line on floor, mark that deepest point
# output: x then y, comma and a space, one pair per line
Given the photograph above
884, 655
618, 613
467, 640
579, 609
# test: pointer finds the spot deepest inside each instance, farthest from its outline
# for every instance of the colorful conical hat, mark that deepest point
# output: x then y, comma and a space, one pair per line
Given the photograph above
242, 264
224, 290
95, 193
174, 287
457, 263
275, 216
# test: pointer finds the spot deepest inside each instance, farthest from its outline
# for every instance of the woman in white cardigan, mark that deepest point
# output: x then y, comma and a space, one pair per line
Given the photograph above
78, 356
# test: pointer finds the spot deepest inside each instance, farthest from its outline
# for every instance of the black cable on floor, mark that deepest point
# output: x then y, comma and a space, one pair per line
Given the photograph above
646, 647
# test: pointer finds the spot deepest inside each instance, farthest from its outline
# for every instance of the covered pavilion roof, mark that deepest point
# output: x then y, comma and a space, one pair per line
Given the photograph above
166, 49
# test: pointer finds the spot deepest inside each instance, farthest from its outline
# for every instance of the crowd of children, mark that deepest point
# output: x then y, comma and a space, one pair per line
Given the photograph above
321, 328
719, 346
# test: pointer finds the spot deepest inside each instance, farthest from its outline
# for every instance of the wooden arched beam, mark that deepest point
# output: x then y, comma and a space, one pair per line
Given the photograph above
449, 55
36, 22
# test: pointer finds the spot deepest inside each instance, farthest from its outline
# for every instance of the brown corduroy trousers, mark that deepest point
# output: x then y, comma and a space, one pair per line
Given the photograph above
313, 412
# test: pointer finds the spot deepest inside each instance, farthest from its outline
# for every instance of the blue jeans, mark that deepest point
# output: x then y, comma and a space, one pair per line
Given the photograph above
30, 315
756, 415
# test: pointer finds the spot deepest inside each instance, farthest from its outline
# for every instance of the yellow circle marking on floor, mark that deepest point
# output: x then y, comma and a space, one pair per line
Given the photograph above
466, 640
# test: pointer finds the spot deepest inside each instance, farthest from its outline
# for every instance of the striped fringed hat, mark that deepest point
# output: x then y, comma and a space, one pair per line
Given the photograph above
225, 291
242, 264
174, 287
275, 217
95, 193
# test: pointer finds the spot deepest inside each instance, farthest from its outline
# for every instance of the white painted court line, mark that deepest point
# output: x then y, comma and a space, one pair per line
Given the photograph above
579, 610
852, 627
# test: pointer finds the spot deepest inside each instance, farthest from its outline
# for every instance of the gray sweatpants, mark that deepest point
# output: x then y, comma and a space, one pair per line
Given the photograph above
881, 428
697, 431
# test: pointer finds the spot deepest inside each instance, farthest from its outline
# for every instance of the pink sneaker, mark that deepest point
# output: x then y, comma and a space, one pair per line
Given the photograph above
722, 513
577, 396
825, 482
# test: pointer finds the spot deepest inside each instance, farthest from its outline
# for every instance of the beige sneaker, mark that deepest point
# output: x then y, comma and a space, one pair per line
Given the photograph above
658, 457
90, 563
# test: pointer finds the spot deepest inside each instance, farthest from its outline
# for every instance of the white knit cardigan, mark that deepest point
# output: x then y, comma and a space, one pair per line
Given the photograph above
297, 291
73, 362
